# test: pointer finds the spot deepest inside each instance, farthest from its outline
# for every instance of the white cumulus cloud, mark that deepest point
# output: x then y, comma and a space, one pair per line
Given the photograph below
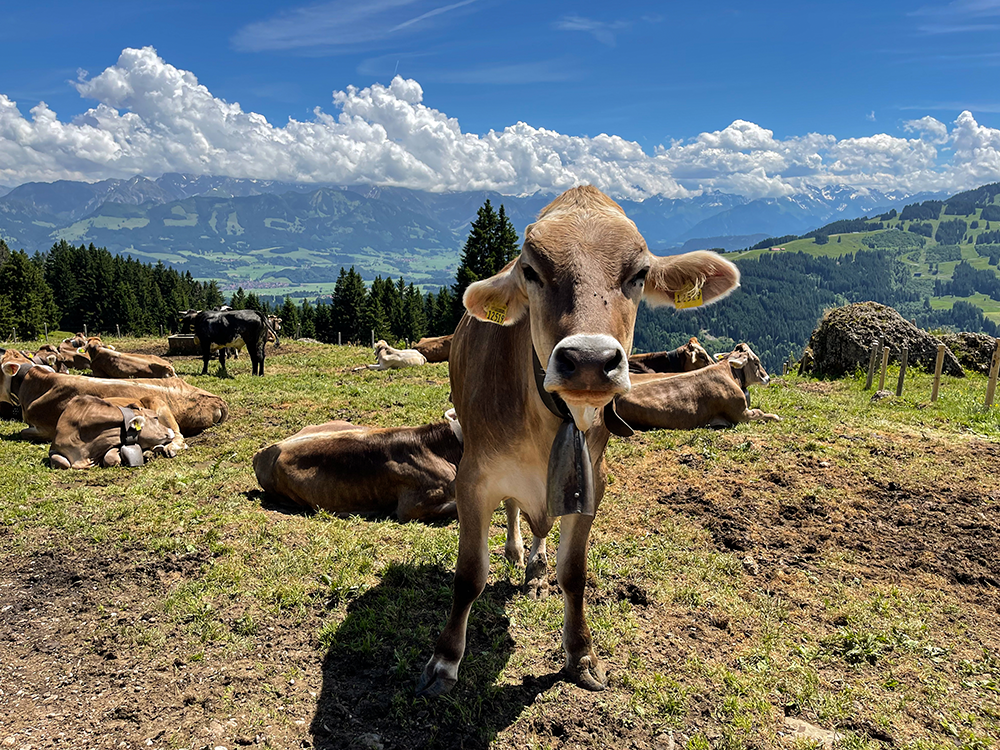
150, 117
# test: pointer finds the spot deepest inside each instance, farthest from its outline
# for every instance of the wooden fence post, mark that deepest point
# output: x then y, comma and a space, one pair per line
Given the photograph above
885, 364
994, 367
903, 357
872, 358
373, 337
118, 330
85, 330
46, 325
338, 338
938, 365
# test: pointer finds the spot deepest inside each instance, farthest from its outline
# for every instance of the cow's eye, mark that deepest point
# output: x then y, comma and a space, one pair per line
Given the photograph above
640, 278
530, 274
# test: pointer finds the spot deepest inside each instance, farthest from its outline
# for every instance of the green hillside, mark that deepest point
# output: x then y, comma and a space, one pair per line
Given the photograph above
936, 262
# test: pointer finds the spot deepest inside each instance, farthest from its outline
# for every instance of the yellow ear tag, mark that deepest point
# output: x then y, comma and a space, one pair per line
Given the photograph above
137, 425
81, 350
689, 296
496, 315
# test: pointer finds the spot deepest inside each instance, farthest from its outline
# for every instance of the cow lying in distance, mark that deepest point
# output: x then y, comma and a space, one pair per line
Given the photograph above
219, 330
44, 394
435, 348
714, 396
342, 468
393, 359
93, 431
110, 363
692, 356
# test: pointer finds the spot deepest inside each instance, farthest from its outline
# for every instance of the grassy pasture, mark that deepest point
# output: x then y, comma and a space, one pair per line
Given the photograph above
838, 567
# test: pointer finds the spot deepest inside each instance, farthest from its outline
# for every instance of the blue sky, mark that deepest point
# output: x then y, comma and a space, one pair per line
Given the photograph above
868, 94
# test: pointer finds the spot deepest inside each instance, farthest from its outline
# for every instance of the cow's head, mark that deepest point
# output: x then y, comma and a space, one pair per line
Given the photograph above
13, 367
697, 356
581, 274
185, 320
748, 364
152, 432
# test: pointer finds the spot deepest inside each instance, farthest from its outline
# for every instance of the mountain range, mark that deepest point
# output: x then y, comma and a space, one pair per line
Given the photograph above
261, 234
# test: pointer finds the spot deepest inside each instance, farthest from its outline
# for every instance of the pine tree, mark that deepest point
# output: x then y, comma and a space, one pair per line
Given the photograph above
347, 307
239, 299
29, 303
289, 315
491, 244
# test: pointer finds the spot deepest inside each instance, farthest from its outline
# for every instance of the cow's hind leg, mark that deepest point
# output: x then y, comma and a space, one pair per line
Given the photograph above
441, 672
582, 665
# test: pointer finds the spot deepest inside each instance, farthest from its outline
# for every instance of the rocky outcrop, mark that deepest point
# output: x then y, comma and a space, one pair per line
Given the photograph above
974, 351
842, 342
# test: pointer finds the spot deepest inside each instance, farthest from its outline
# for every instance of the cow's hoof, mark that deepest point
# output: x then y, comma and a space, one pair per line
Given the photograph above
588, 673
58, 462
536, 578
435, 681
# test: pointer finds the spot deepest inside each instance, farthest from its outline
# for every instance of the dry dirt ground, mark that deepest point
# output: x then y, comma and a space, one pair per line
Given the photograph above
65, 681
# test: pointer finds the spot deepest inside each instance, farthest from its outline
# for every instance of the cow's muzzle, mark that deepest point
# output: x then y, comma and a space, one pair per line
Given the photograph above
588, 369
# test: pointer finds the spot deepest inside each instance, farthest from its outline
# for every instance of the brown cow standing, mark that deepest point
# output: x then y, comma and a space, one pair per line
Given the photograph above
568, 301
110, 363
89, 433
342, 468
688, 358
712, 397
435, 348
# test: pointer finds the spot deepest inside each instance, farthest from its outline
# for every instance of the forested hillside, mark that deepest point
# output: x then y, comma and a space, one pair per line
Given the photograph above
935, 262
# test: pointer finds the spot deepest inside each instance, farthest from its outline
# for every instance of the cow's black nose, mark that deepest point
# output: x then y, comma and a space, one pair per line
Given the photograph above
587, 367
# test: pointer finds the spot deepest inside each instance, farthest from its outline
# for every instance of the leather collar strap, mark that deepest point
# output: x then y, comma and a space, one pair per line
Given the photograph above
15, 382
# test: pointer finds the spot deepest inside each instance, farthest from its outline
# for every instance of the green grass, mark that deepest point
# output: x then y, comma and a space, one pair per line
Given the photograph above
695, 644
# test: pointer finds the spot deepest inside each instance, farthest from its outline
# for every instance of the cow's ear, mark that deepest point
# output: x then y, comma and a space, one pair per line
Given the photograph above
137, 423
737, 360
10, 368
499, 299
690, 280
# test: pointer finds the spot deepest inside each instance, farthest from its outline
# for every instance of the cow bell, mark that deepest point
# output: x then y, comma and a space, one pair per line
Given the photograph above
570, 485
131, 455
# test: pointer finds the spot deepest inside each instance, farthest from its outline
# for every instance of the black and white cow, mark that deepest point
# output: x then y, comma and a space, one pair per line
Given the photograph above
216, 330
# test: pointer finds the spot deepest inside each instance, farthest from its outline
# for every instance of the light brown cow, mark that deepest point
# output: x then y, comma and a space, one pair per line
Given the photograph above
435, 348
568, 301
342, 468
43, 395
92, 431
70, 354
715, 396
393, 359
110, 363
692, 356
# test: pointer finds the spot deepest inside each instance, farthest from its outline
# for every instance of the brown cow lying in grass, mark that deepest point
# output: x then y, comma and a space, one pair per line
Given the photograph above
393, 359
44, 394
688, 358
342, 468
93, 431
110, 363
435, 348
714, 396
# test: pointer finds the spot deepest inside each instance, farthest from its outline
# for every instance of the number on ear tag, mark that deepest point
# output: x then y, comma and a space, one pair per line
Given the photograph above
496, 315
689, 296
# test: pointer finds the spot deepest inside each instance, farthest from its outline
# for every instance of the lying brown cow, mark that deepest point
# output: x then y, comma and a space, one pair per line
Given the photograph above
342, 468
711, 397
692, 356
535, 365
44, 394
435, 348
93, 431
110, 363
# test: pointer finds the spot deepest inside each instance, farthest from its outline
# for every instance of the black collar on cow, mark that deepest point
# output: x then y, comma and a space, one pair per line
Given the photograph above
570, 482
15, 383
131, 451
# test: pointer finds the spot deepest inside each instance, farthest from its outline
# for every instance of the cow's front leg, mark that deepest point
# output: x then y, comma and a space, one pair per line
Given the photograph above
474, 512
582, 664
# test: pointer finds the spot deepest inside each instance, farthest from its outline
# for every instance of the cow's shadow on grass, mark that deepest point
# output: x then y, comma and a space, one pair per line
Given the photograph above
375, 655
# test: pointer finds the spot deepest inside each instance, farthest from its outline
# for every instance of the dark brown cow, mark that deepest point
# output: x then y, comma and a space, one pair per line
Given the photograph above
91, 429
43, 395
435, 348
715, 396
111, 363
569, 302
342, 468
692, 356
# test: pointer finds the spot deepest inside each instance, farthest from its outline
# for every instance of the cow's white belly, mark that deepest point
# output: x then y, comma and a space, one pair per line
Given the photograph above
520, 479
